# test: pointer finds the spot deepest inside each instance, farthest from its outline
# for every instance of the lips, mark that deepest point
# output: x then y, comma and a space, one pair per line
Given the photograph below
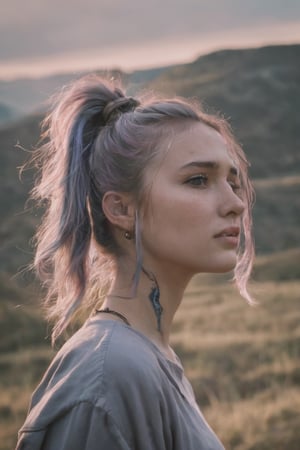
229, 232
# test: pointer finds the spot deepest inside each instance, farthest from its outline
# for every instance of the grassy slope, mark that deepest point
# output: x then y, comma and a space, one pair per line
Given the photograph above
243, 361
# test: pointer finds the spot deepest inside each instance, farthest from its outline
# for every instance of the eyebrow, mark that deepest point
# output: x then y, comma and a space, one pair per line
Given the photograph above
209, 165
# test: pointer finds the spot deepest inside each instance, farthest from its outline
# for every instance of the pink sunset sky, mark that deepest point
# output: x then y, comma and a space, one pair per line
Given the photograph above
74, 35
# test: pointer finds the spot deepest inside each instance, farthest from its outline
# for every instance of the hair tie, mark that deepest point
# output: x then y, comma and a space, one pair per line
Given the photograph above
119, 106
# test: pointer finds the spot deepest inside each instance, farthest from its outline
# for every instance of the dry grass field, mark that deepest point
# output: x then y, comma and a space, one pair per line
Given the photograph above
243, 362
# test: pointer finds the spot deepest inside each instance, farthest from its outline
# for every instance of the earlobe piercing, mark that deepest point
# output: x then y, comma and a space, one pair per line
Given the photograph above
128, 235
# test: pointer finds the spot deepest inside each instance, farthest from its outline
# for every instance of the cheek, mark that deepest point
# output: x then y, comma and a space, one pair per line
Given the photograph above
183, 209
183, 220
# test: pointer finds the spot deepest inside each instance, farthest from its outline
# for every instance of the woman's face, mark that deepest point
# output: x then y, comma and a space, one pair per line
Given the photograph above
192, 219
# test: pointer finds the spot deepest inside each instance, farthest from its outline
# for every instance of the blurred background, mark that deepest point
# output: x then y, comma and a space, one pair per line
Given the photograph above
240, 59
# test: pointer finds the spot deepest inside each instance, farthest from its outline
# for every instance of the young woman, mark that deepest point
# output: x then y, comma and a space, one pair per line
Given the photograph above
140, 196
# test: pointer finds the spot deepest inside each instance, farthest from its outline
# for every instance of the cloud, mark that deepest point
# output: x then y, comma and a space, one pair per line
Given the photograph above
38, 38
58, 27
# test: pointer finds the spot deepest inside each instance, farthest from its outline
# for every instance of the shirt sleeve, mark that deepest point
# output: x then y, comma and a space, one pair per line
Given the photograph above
84, 427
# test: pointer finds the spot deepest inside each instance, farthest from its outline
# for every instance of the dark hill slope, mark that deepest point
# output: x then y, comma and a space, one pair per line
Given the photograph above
276, 213
259, 91
215, 78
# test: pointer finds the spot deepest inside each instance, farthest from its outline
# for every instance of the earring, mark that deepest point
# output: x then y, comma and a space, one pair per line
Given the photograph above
128, 235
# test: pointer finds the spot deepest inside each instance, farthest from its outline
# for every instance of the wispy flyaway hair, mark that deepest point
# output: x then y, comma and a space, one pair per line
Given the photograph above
97, 139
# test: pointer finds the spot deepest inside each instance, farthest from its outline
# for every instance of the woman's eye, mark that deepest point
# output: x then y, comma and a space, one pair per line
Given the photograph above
236, 187
199, 180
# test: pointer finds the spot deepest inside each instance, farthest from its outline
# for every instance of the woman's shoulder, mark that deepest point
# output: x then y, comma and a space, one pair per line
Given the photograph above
128, 351
104, 362
98, 357
114, 346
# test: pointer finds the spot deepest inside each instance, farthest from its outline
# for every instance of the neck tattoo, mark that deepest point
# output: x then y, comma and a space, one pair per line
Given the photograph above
154, 297
158, 309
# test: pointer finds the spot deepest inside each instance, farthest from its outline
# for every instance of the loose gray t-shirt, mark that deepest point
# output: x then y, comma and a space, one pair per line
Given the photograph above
110, 388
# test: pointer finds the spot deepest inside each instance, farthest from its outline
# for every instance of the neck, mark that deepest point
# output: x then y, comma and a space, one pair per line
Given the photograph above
138, 308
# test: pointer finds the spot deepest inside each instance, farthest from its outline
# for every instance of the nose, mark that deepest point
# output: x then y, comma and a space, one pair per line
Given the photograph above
231, 203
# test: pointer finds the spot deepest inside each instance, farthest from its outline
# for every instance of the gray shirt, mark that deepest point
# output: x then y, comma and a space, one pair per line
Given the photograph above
110, 388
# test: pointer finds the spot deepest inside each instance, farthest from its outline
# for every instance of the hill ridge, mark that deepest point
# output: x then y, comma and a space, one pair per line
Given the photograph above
264, 115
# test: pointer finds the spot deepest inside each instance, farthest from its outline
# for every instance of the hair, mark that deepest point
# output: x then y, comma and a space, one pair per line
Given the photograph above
97, 139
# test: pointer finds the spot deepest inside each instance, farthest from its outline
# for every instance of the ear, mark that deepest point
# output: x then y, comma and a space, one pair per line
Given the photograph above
119, 208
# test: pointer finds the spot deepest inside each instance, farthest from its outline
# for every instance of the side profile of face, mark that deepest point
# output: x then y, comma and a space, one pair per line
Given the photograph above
194, 206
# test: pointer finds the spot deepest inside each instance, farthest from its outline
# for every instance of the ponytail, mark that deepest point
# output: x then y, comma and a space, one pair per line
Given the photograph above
64, 238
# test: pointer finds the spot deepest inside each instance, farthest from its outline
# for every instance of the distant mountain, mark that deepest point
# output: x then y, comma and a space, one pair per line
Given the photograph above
257, 88
28, 95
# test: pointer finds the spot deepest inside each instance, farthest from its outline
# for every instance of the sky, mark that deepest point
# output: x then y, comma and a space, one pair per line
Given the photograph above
40, 37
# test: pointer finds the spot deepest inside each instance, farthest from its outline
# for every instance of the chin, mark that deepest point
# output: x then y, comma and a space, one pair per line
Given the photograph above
227, 265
